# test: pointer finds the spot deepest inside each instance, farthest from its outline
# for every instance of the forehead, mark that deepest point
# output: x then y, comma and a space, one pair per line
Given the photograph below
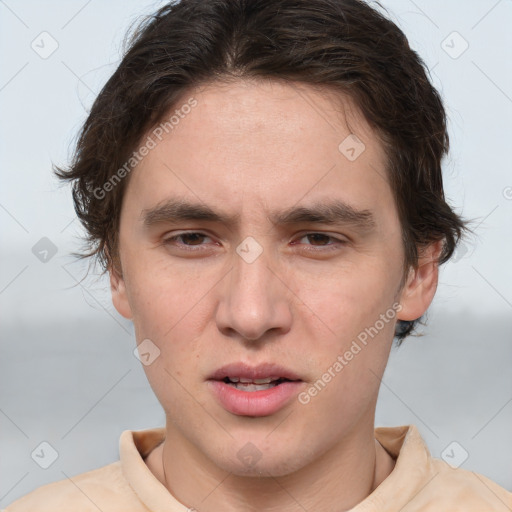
254, 145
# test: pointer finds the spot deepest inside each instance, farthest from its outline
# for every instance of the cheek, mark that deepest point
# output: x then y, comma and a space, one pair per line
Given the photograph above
168, 310
161, 296
352, 338
350, 367
350, 300
171, 308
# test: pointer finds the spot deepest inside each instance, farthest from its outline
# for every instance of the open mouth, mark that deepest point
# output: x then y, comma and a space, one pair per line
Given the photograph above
244, 384
261, 390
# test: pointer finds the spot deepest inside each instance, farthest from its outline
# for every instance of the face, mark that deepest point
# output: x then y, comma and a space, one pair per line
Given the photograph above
259, 240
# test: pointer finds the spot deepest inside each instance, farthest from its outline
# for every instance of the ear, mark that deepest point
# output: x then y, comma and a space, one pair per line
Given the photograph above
421, 284
119, 296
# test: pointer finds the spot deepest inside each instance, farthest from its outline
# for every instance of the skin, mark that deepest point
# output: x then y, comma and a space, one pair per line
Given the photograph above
252, 148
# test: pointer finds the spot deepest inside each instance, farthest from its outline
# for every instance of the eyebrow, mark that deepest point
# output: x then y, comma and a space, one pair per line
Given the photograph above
331, 212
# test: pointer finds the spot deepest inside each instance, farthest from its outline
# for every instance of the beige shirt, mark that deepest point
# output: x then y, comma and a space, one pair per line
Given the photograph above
418, 482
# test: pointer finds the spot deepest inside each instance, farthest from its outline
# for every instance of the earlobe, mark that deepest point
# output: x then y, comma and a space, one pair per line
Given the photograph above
119, 295
421, 284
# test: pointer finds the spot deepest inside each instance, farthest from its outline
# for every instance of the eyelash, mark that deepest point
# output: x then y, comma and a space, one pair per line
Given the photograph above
171, 240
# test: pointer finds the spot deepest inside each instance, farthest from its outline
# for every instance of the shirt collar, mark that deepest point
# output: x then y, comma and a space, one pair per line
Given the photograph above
403, 443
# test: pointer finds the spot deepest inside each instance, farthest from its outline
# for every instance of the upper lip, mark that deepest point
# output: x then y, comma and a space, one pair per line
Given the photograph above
246, 371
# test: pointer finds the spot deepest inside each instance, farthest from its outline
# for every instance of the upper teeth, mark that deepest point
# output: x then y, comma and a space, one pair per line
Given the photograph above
267, 380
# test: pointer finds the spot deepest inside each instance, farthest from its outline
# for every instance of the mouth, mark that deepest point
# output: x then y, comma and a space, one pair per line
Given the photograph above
254, 391
244, 384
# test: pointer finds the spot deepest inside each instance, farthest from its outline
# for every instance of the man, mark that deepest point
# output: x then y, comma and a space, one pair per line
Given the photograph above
262, 182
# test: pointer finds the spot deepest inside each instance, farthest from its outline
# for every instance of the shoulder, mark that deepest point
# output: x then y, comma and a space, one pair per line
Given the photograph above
460, 489
103, 489
420, 482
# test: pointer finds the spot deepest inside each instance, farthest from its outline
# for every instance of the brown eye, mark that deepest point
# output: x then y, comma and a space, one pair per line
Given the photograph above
186, 240
319, 242
318, 238
191, 238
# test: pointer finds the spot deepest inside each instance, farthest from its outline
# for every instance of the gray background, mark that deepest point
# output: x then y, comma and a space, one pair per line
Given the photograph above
68, 374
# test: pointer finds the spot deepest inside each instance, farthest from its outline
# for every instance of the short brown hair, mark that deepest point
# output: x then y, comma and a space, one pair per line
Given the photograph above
344, 45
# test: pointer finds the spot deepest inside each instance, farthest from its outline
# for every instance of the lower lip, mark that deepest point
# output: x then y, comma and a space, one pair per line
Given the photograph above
255, 403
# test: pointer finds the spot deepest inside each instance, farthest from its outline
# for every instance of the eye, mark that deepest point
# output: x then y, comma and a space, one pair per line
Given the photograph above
321, 240
192, 241
189, 240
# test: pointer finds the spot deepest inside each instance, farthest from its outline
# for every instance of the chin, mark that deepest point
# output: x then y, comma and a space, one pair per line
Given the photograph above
252, 462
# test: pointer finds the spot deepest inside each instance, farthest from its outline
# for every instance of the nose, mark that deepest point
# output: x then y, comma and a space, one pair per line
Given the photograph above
254, 301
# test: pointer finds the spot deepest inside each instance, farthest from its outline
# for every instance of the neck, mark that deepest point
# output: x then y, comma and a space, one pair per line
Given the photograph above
337, 480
